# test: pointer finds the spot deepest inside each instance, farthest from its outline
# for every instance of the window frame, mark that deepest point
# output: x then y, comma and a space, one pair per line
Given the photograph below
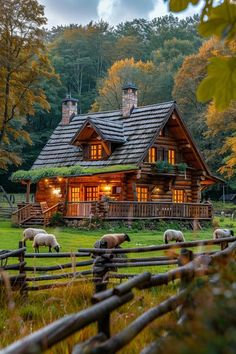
140, 193
178, 195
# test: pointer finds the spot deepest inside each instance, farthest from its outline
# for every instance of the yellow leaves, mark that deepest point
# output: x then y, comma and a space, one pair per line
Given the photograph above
220, 84
220, 21
180, 5
8, 158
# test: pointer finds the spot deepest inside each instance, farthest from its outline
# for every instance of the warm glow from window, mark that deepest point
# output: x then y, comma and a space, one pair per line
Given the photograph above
178, 195
74, 194
152, 155
95, 151
91, 193
171, 156
142, 194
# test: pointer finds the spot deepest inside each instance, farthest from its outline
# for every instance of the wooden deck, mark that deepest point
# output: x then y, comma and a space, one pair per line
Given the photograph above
140, 210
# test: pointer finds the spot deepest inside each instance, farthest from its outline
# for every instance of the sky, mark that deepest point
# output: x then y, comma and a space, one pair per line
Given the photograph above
65, 12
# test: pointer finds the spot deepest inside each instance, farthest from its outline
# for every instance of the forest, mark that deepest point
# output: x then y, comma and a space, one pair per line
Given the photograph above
165, 57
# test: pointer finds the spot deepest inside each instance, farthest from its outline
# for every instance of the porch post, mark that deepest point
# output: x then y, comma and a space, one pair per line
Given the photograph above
28, 191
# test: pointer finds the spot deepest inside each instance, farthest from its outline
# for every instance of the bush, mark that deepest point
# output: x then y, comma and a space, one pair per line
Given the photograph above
57, 219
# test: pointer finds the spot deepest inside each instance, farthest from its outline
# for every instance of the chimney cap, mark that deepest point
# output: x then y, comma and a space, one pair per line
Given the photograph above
69, 98
129, 85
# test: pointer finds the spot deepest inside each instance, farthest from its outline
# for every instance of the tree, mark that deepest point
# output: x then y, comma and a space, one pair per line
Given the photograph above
218, 18
214, 131
23, 63
122, 71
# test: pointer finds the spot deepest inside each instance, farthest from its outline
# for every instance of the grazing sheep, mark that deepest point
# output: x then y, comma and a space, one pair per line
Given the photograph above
111, 240
30, 233
46, 240
221, 233
173, 235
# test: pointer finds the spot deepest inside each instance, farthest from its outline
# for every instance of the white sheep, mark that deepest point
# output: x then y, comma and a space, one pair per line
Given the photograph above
111, 240
46, 240
173, 235
221, 233
30, 233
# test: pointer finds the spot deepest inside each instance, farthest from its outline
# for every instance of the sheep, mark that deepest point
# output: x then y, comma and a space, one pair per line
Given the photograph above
173, 235
30, 233
221, 233
113, 240
46, 240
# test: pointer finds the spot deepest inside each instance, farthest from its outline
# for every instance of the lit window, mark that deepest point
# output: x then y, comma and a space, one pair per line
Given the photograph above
142, 194
91, 193
152, 155
171, 156
74, 194
95, 151
178, 195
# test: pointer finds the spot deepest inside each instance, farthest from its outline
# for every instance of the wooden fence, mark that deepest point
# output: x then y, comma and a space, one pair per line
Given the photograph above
82, 267
104, 302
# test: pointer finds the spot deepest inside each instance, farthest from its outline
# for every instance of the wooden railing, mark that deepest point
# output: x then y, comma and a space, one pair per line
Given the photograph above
144, 210
22, 214
81, 209
47, 214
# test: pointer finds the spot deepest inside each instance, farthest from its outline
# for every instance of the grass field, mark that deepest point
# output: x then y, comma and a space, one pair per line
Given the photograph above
18, 319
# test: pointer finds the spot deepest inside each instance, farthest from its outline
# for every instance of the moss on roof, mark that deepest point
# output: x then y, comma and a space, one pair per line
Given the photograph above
35, 175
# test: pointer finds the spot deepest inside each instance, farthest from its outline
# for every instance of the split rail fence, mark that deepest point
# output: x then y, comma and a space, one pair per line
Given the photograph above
106, 301
90, 264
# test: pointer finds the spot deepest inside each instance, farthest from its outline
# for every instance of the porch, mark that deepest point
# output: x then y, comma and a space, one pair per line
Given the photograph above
32, 214
139, 210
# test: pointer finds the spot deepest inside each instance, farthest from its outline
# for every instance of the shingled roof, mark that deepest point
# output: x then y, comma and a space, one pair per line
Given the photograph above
136, 133
108, 130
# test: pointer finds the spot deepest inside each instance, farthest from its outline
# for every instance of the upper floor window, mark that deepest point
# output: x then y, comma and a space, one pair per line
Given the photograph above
171, 156
142, 194
95, 151
152, 155
178, 195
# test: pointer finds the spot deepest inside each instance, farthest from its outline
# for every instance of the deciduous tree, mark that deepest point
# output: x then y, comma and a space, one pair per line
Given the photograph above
23, 63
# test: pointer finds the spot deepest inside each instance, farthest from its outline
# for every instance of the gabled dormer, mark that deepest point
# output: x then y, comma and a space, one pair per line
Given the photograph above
98, 138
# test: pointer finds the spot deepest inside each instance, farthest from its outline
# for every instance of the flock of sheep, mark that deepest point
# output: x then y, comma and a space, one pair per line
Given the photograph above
41, 238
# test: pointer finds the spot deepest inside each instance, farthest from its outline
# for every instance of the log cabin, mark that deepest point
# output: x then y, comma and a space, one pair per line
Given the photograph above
132, 163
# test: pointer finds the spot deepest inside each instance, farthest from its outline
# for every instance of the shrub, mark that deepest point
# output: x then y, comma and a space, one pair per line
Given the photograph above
57, 219
164, 166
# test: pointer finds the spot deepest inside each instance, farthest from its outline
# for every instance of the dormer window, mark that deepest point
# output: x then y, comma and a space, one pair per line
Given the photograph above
95, 151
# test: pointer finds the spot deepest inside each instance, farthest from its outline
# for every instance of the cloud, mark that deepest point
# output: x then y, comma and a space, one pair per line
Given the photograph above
61, 12
116, 11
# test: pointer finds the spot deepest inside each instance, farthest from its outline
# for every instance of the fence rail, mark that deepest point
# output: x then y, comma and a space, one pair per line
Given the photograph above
105, 302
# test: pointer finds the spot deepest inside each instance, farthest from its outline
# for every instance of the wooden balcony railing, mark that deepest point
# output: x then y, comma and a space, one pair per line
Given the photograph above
81, 209
145, 210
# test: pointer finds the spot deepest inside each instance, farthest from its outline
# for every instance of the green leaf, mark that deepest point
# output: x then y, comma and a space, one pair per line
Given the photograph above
180, 5
221, 21
220, 83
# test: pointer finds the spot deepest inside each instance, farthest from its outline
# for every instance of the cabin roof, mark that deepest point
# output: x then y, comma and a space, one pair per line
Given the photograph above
134, 135
138, 131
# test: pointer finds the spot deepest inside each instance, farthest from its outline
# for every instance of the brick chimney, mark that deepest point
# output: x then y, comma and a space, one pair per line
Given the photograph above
129, 98
69, 108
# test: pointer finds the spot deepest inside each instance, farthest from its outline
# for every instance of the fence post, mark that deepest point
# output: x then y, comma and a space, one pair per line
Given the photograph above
99, 273
185, 257
23, 284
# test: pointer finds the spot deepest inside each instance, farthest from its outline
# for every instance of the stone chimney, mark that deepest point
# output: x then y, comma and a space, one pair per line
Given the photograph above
129, 98
69, 108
